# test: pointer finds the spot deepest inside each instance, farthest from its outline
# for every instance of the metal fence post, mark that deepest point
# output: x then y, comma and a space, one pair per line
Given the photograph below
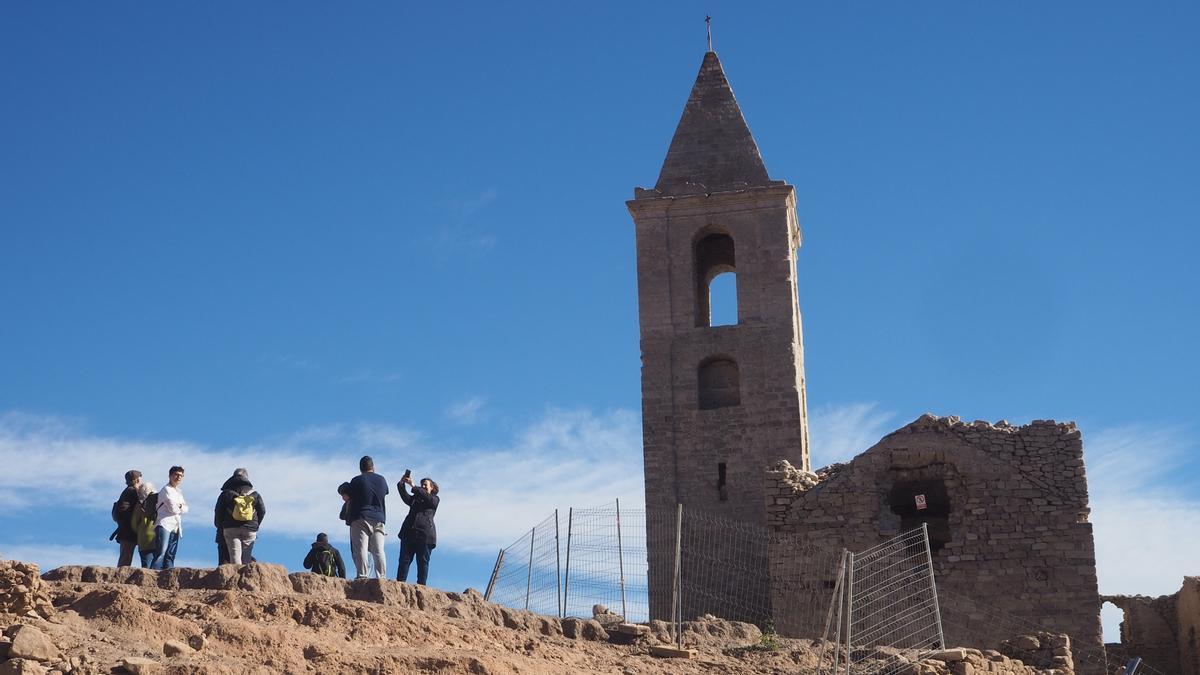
834, 601
529, 579
849, 606
495, 572
557, 567
621, 561
676, 583
567, 571
937, 610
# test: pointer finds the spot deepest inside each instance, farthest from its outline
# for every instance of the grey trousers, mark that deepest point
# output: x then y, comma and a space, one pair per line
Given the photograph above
366, 536
240, 542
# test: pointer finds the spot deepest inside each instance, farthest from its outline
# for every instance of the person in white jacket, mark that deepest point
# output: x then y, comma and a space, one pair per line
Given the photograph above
168, 527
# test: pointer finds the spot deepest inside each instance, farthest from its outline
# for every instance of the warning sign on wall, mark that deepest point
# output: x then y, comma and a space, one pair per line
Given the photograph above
920, 499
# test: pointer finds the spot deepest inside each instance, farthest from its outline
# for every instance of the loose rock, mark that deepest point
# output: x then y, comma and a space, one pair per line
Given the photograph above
30, 643
22, 667
137, 665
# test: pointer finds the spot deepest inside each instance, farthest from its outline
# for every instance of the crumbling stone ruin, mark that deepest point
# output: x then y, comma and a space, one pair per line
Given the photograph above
1006, 507
22, 591
1165, 631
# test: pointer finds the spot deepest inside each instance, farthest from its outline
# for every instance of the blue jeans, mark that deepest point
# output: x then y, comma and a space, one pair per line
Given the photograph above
167, 543
414, 549
148, 557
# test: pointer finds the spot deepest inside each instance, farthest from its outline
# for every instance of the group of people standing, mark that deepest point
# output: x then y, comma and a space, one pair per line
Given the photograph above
151, 523
148, 521
364, 510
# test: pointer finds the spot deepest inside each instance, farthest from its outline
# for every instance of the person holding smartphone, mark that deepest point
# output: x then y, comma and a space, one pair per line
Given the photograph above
418, 535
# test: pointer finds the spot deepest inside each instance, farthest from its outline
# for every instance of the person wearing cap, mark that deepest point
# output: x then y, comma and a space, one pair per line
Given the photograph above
239, 513
122, 513
324, 559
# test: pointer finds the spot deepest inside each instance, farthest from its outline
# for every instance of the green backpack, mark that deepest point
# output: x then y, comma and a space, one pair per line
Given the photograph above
326, 563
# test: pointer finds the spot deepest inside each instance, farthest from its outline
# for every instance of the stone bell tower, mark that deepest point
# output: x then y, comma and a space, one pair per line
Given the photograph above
719, 403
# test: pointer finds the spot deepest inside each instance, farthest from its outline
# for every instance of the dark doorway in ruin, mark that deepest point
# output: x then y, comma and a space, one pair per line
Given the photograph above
904, 498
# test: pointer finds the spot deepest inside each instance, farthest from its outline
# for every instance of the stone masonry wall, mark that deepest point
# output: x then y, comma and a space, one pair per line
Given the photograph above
688, 449
1148, 631
1007, 507
1163, 631
1187, 609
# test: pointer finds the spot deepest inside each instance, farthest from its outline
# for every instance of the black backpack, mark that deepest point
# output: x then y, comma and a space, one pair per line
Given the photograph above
150, 506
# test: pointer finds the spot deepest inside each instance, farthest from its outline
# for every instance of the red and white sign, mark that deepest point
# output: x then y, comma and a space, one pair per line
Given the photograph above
920, 499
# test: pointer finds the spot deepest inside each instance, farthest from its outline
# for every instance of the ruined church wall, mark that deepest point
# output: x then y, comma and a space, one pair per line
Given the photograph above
1148, 630
1187, 611
1014, 532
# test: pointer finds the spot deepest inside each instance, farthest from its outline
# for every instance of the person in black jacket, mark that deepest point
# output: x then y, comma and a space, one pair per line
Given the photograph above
122, 513
325, 559
238, 514
219, 523
418, 535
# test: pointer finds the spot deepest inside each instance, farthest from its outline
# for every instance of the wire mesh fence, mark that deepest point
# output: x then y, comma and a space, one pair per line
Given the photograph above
527, 573
626, 560
885, 613
606, 562
880, 606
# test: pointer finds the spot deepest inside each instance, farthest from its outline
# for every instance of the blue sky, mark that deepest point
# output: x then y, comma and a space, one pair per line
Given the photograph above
280, 235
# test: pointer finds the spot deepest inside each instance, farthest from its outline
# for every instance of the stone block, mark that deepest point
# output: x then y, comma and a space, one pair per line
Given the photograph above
30, 643
671, 652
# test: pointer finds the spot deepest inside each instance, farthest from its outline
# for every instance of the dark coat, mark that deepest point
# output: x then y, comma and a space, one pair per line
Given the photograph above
310, 560
126, 503
418, 525
367, 492
223, 512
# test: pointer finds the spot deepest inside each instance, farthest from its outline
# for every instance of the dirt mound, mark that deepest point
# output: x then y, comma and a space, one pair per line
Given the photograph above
257, 618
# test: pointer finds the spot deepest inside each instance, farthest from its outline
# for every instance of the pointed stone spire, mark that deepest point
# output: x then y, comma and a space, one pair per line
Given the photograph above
712, 149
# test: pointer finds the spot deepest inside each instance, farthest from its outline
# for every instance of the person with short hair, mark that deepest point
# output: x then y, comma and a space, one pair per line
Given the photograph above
168, 527
143, 525
344, 493
418, 536
324, 559
122, 514
238, 514
367, 514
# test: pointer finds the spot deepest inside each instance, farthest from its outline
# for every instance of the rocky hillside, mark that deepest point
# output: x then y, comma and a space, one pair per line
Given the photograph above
259, 619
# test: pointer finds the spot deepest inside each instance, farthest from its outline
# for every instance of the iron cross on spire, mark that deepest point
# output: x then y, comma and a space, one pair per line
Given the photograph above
708, 25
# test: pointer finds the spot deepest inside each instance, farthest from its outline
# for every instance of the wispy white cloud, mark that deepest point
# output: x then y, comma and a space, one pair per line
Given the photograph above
461, 234
450, 240
839, 432
470, 207
50, 556
369, 375
466, 412
291, 362
490, 494
1144, 516
494, 493
1139, 514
